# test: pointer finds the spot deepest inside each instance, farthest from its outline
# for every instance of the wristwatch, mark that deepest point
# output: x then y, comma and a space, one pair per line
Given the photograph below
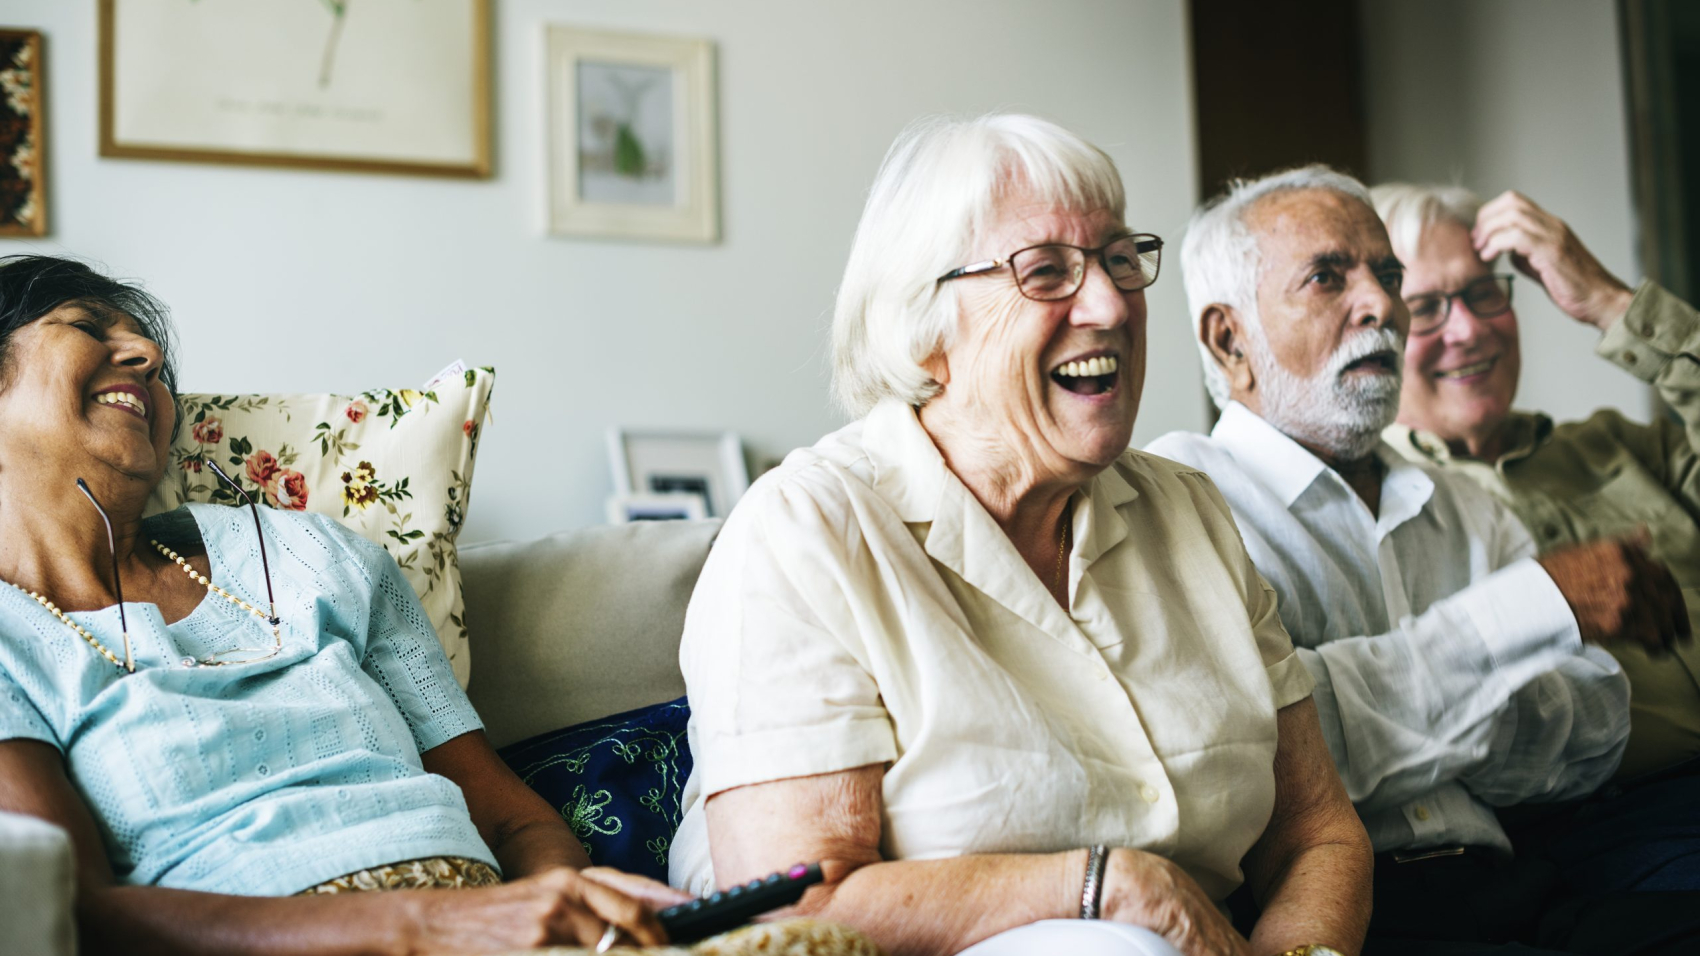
1313, 949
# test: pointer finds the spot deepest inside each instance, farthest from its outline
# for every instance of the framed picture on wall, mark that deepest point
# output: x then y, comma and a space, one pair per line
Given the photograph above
631, 136
23, 171
708, 466
393, 86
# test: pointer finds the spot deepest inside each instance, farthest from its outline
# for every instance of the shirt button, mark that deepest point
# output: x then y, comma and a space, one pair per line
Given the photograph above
263, 770
1148, 793
259, 735
1421, 813
1629, 358
1102, 673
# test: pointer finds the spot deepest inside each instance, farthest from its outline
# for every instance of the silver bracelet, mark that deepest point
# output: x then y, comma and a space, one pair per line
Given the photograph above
1092, 893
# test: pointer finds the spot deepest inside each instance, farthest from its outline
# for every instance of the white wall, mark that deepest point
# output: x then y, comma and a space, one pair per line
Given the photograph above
1525, 95
312, 281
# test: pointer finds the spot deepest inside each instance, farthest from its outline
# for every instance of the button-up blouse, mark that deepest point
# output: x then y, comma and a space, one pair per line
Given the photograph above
861, 607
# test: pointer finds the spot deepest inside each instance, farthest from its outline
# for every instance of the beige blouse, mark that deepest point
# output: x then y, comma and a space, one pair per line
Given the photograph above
861, 607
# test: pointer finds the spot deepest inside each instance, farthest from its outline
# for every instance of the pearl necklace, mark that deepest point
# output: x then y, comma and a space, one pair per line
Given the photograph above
211, 660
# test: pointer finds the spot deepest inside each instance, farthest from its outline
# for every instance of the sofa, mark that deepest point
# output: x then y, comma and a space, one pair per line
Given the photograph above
566, 628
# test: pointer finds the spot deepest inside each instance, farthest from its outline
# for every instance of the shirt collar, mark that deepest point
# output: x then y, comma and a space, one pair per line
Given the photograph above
1268, 455
908, 470
1288, 469
1525, 432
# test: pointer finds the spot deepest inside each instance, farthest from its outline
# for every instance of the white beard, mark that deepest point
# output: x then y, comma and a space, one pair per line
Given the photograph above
1343, 418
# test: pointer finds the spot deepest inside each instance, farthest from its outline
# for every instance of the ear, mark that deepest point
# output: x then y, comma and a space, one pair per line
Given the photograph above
937, 366
1221, 331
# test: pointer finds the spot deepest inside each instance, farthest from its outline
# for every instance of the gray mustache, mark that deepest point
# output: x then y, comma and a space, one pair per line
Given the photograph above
1365, 344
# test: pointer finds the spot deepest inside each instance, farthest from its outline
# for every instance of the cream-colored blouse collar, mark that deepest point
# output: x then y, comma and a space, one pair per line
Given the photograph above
910, 474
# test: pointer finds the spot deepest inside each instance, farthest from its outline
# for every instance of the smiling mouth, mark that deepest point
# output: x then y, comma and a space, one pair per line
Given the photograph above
124, 400
1093, 376
1465, 371
1375, 363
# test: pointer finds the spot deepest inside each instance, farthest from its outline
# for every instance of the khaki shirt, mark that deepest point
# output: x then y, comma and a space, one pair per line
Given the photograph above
861, 607
1606, 477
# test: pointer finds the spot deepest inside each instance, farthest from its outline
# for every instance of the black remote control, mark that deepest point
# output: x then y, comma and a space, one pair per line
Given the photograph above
732, 908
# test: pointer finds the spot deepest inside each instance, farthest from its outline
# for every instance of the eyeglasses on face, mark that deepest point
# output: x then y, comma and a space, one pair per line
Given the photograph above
1056, 270
1485, 297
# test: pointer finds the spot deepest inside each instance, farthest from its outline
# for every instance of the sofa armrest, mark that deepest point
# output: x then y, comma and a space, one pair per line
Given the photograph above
37, 882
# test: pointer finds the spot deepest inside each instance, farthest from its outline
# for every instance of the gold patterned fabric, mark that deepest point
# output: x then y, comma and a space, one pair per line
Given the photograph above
792, 937
432, 873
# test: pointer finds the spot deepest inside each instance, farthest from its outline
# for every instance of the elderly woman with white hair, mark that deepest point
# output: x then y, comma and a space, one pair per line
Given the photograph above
1000, 674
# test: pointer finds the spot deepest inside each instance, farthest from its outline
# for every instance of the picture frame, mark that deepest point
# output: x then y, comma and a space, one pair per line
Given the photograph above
674, 506
23, 135
631, 136
706, 465
380, 86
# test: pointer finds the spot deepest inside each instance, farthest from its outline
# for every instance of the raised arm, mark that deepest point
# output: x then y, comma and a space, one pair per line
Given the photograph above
938, 907
1647, 332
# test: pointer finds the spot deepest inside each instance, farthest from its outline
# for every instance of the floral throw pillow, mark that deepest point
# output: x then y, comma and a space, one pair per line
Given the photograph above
393, 465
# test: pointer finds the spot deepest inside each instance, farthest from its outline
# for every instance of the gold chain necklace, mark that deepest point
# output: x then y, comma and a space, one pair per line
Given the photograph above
211, 660
1062, 547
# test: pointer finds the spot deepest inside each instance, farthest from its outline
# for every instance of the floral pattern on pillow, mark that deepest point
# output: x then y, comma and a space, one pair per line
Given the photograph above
393, 465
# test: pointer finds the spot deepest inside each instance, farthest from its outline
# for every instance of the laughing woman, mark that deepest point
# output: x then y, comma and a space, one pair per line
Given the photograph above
228, 707
1000, 673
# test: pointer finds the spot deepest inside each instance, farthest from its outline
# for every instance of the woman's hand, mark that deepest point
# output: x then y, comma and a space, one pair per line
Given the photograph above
1143, 889
559, 907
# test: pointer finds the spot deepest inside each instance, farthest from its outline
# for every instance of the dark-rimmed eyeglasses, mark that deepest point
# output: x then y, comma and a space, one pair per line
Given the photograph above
1485, 297
1056, 270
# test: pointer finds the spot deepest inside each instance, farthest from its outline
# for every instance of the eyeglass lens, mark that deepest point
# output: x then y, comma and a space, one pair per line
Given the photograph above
1485, 298
1054, 272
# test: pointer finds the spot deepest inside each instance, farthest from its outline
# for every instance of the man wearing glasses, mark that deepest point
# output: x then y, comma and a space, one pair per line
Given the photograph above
1602, 478
1454, 671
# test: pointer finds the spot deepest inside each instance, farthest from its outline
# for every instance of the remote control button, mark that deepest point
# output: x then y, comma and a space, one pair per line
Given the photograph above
775, 878
734, 891
715, 898
693, 906
797, 872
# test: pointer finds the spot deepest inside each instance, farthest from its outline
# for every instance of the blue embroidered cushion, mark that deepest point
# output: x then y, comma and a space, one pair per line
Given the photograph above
616, 781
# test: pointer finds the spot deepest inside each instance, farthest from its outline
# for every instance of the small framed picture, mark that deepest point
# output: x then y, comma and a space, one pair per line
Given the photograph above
631, 136
23, 172
626, 508
707, 466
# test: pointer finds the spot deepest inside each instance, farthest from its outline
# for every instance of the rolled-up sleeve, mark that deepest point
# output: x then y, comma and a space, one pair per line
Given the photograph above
19, 718
779, 680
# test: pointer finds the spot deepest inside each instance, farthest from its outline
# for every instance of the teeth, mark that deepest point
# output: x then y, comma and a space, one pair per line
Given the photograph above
1467, 370
1089, 368
120, 398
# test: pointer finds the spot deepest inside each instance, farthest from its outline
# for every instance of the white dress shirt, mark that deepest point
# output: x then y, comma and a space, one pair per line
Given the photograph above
1450, 674
861, 607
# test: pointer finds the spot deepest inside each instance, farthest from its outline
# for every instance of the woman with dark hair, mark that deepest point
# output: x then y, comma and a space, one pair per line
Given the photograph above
238, 714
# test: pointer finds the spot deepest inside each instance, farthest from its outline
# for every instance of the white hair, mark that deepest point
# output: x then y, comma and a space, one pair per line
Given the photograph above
940, 184
1220, 258
1409, 210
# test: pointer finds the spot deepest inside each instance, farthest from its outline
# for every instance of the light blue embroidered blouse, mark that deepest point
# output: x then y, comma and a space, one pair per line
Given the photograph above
257, 779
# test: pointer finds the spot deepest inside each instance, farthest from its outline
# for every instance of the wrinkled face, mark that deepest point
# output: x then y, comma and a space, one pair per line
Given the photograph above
1461, 377
1326, 348
81, 387
1057, 382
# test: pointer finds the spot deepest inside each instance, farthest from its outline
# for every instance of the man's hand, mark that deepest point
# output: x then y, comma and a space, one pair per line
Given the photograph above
1618, 592
1543, 248
1143, 889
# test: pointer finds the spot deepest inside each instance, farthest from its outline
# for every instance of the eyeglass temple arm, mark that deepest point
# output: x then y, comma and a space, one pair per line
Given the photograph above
117, 582
254, 509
